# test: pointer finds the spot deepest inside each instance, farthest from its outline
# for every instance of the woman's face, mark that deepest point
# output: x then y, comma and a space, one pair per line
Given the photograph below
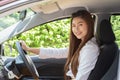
79, 28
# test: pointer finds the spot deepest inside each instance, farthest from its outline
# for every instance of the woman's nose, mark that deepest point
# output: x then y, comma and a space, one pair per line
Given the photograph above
77, 28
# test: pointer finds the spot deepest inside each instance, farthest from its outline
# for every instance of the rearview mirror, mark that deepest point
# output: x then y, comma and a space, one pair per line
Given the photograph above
23, 14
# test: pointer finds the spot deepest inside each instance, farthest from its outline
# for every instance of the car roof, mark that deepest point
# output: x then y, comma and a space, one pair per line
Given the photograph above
48, 10
50, 6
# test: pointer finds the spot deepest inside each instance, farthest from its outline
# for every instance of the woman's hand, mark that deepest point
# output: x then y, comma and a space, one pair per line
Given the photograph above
27, 48
24, 46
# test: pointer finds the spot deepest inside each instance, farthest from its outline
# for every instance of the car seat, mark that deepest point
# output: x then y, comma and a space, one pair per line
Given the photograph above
107, 63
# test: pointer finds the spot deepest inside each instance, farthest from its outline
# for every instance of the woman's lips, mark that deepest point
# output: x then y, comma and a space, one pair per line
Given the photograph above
78, 33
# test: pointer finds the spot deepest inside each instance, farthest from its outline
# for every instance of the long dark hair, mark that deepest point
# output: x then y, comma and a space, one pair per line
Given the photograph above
76, 44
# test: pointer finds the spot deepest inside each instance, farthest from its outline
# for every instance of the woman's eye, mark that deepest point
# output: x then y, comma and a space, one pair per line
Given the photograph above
80, 24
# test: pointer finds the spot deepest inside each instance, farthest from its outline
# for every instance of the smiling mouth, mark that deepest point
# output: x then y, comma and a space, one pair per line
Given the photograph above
78, 33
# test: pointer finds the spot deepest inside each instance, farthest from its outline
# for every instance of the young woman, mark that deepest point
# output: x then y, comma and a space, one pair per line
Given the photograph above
83, 50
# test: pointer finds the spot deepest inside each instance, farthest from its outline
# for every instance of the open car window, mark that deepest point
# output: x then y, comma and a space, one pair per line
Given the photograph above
52, 34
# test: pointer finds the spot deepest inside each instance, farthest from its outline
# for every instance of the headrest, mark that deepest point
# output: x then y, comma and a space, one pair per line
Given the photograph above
105, 33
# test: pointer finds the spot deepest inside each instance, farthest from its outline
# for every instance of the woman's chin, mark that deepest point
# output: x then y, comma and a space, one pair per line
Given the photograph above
78, 37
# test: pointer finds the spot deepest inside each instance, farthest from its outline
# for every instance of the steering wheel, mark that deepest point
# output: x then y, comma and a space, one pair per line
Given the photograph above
28, 61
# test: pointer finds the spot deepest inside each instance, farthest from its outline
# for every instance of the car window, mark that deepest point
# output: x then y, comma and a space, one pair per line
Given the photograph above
115, 20
11, 19
52, 34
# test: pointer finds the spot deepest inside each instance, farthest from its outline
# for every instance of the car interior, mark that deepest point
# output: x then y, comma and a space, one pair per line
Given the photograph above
34, 68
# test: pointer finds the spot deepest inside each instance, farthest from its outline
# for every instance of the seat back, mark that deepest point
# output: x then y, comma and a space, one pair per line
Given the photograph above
108, 50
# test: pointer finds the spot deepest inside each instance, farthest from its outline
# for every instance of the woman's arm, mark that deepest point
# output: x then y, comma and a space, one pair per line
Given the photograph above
47, 52
34, 50
53, 52
27, 48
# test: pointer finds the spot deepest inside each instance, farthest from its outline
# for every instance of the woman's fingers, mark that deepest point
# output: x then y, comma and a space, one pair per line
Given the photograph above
23, 44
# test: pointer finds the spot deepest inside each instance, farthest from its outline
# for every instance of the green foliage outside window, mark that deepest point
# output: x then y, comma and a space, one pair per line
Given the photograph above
53, 34
115, 20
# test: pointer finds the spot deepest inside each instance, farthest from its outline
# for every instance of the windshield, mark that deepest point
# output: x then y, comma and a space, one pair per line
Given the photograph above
12, 19
8, 20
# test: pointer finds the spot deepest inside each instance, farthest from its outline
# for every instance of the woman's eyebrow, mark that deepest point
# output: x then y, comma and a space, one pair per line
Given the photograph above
80, 22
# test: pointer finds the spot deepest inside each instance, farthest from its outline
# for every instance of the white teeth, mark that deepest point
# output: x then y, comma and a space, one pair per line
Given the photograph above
78, 33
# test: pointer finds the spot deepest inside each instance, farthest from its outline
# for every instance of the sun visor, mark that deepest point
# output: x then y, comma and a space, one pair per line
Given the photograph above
46, 9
